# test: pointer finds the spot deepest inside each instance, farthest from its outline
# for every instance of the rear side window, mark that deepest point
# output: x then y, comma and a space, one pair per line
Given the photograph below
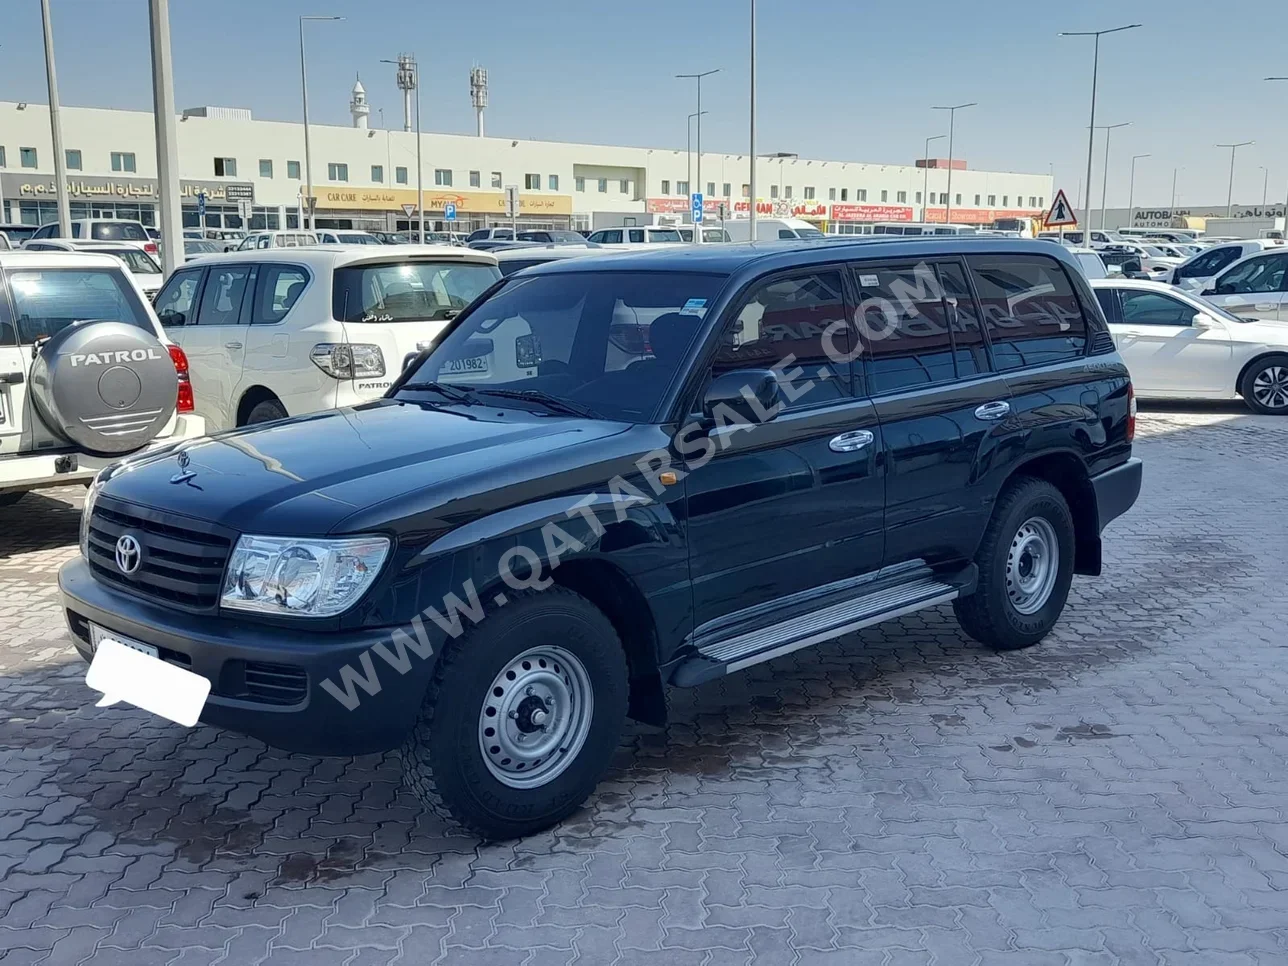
613, 237
513, 265
117, 231
48, 300
635, 235
278, 289
1033, 315
1264, 274
408, 291
1108, 300
781, 325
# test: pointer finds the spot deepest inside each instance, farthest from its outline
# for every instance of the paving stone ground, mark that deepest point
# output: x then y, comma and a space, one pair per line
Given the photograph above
1116, 795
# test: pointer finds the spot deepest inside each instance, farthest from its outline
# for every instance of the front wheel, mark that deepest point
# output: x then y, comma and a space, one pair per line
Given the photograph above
1265, 386
522, 716
1025, 568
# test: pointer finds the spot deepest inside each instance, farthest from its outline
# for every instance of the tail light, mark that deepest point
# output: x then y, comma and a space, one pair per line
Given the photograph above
184, 403
150, 248
1131, 413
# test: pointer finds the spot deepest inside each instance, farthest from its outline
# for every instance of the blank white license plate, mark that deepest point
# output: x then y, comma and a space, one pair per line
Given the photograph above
97, 634
128, 672
474, 364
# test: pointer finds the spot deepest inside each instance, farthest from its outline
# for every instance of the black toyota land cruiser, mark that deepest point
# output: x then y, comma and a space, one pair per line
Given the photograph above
615, 474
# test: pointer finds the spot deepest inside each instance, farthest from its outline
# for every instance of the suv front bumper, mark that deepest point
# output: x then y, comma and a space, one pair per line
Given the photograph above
34, 470
223, 651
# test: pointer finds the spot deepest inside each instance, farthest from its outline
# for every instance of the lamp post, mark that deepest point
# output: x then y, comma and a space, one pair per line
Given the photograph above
952, 115
56, 126
1104, 187
697, 229
1281, 79
169, 210
925, 173
751, 147
1091, 125
1229, 198
1131, 191
688, 147
1172, 207
309, 200
1265, 187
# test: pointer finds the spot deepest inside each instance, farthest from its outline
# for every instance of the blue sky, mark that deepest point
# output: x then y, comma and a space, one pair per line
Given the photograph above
839, 79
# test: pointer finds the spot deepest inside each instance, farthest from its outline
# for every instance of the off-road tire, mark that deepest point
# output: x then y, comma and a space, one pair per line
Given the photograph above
265, 412
1247, 385
442, 760
988, 614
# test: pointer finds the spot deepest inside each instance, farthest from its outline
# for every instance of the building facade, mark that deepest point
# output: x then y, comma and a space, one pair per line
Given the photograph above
366, 178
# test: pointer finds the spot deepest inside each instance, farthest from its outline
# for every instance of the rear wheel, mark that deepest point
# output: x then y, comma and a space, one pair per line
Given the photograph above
1265, 386
522, 716
265, 412
1025, 568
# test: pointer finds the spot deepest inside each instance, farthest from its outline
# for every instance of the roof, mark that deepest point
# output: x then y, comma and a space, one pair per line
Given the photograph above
726, 259
334, 256
19, 259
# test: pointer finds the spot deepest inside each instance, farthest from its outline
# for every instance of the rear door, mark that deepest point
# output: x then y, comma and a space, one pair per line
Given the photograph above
940, 400
1254, 288
215, 346
284, 326
15, 361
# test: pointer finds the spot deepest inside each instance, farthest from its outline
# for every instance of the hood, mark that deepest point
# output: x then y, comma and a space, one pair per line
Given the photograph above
305, 476
1268, 331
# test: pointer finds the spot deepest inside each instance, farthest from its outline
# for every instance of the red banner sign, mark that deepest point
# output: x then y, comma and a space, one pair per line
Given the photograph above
871, 213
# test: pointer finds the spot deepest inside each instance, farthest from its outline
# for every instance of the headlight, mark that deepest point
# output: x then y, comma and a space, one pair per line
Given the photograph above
349, 360
308, 578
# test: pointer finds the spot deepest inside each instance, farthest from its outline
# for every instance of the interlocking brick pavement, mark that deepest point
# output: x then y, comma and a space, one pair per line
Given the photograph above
1116, 795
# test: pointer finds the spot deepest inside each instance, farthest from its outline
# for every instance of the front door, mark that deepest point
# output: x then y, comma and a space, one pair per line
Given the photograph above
940, 401
215, 346
1164, 351
796, 503
1254, 288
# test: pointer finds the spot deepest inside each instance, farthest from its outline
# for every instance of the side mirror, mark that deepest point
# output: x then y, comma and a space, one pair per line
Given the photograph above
1202, 320
1131, 265
751, 394
171, 318
1210, 290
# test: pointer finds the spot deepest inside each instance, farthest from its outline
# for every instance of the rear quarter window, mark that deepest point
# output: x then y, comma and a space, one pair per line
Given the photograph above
1032, 313
46, 301
114, 231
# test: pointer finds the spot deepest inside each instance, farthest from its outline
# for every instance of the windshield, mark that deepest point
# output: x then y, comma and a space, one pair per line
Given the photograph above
47, 301
191, 247
808, 233
357, 238
419, 291
137, 261
609, 341
117, 230
664, 235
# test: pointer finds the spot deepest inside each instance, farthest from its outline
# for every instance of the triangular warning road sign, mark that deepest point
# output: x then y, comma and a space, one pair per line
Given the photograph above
409, 210
1061, 213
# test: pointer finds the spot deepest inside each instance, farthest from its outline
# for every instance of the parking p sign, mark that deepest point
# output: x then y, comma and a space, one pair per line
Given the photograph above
697, 207
449, 211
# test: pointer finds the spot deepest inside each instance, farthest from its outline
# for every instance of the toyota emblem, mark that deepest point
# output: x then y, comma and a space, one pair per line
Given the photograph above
129, 554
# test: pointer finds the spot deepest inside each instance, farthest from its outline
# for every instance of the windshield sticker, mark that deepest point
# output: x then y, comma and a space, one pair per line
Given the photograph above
696, 307
869, 281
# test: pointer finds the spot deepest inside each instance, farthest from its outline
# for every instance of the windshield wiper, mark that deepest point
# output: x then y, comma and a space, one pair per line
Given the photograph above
545, 399
451, 392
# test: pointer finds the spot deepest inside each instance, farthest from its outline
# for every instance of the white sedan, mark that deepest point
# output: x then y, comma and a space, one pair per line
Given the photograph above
1177, 346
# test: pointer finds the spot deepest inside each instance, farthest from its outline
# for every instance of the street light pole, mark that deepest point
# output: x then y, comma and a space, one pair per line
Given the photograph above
925, 173
309, 200
688, 141
1091, 125
1131, 191
751, 184
168, 204
952, 116
1286, 201
1104, 187
56, 126
1172, 207
1229, 198
1265, 187
697, 228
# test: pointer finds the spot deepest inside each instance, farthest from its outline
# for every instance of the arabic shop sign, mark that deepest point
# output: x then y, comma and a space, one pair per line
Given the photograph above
118, 189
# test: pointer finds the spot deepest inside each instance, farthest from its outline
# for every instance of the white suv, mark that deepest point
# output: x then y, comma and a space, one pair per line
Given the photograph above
87, 375
286, 331
103, 229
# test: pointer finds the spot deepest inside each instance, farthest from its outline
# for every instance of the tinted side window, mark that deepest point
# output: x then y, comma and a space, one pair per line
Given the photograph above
46, 301
1108, 300
612, 238
635, 235
175, 303
786, 233
781, 325
1254, 275
1033, 315
904, 321
1152, 308
222, 298
969, 349
512, 265
278, 289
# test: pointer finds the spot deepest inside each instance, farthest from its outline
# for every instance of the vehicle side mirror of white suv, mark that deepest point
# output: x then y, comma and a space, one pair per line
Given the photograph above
1204, 321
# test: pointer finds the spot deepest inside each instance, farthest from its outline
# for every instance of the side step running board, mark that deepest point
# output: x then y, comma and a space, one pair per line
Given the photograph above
723, 657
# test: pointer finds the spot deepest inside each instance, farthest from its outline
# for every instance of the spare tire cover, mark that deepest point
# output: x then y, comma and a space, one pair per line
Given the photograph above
107, 387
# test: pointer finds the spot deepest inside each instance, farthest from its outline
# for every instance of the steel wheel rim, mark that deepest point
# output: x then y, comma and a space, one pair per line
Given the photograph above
535, 717
1032, 565
1270, 387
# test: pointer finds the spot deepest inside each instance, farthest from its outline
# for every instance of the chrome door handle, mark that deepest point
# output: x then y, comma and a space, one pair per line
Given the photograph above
851, 442
232, 345
993, 410
1265, 306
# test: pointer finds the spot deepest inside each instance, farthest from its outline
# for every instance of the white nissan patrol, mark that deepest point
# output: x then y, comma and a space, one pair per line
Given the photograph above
87, 374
